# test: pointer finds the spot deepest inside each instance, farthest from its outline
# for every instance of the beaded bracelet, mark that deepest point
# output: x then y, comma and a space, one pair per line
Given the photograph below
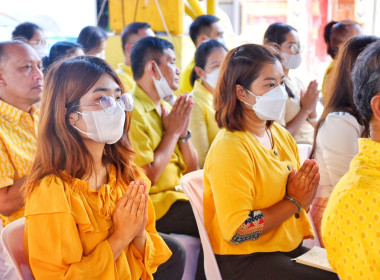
295, 202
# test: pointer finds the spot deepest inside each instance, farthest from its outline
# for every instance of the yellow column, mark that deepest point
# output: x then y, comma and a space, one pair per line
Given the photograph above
211, 7
194, 4
189, 11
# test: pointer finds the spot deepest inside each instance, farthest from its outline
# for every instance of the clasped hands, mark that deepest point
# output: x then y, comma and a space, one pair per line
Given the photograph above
302, 185
131, 213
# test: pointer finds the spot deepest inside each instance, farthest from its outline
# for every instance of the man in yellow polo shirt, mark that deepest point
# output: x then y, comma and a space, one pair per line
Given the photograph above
130, 35
161, 139
20, 87
160, 136
351, 221
203, 28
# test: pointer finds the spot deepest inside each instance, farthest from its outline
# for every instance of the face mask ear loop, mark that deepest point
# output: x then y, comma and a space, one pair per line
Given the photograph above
81, 114
159, 71
85, 133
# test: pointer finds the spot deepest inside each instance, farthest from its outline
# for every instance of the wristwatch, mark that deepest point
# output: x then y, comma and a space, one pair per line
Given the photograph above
187, 137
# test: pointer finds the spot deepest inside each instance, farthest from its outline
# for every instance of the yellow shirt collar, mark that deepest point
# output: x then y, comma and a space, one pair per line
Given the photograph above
126, 68
201, 91
13, 114
146, 102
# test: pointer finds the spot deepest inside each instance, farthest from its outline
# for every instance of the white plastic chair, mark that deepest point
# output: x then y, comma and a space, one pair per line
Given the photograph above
192, 185
192, 247
12, 242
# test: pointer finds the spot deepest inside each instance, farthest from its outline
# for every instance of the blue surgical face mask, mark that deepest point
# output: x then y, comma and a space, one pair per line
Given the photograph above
271, 105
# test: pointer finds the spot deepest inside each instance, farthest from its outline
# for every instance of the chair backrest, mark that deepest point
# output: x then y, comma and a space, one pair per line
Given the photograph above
12, 242
192, 185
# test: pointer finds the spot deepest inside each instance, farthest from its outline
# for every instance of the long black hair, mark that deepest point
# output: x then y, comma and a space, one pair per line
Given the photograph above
201, 55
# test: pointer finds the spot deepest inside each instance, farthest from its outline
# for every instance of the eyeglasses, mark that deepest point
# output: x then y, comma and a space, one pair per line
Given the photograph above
296, 48
109, 103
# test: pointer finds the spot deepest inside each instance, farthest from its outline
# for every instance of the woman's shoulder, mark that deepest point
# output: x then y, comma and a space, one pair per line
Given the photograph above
228, 137
281, 132
342, 117
48, 196
340, 122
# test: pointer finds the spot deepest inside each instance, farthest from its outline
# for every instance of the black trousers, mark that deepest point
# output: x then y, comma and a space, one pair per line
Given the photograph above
180, 219
173, 268
270, 266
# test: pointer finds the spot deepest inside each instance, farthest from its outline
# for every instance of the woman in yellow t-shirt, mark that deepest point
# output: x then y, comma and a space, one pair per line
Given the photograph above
208, 58
88, 214
254, 197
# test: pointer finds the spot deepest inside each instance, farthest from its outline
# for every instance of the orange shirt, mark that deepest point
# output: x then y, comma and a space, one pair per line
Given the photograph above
67, 226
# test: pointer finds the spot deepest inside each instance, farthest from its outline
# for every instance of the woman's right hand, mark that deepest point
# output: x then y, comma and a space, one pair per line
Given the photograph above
129, 213
302, 185
310, 98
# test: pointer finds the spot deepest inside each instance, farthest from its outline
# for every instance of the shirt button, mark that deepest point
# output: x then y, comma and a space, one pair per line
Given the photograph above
275, 153
297, 215
289, 167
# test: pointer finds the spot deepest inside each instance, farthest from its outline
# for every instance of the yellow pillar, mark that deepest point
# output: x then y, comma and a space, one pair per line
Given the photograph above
194, 4
123, 12
211, 7
189, 11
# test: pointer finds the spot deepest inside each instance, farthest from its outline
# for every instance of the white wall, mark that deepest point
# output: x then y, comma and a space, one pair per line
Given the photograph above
57, 18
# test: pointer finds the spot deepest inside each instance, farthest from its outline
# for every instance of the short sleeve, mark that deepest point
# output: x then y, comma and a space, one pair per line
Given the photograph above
198, 126
338, 141
141, 142
7, 171
231, 184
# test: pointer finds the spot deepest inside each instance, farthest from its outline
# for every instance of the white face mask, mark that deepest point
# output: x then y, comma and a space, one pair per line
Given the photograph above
270, 106
162, 86
291, 61
212, 78
41, 50
102, 54
104, 128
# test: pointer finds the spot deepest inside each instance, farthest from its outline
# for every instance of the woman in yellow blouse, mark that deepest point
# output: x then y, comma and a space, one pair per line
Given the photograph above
88, 215
254, 197
208, 58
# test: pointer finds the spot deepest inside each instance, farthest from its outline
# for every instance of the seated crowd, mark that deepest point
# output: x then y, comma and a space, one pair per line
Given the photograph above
92, 156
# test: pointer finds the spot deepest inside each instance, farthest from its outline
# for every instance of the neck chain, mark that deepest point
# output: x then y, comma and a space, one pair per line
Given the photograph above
262, 139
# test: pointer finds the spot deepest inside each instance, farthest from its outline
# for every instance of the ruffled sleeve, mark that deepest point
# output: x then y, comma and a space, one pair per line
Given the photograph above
156, 250
52, 242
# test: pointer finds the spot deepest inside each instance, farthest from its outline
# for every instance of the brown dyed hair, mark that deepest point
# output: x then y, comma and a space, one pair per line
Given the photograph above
59, 146
340, 91
241, 66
